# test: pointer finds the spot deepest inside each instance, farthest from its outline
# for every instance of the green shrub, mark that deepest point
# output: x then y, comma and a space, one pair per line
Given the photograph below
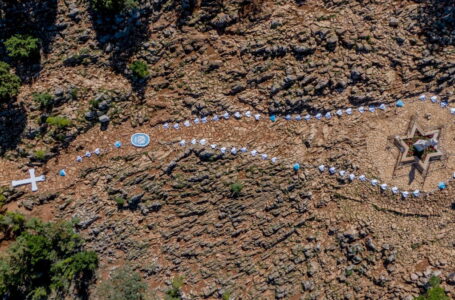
236, 189
43, 99
45, 259
9, 82
11, 224
60, 122
120, 201
124, 284
113, 5
40, 154
22, 46
139, 69
435, 291
174, 292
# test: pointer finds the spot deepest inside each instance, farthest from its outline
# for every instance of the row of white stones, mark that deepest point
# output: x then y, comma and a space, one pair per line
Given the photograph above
238, 115
226, 150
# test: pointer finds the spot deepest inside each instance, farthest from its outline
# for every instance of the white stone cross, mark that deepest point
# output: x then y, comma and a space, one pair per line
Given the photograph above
32, 180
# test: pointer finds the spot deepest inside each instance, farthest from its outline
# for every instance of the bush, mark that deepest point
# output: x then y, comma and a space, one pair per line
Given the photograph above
40, 154
22, 46
46, 259
124, 284
434, 292
43, 99
236, 189
113, 5
139, 69
174, 292
60, 122
120, 201
9, 82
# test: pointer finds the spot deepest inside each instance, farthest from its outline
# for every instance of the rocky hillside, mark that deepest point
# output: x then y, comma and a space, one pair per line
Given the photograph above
284, 235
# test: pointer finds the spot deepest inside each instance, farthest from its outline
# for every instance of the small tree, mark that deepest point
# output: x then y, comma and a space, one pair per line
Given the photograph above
59, 122
174, 293
9, 82
124, 284
22, 46
139, 69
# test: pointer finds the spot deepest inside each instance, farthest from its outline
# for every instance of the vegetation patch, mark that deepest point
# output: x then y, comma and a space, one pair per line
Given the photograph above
47, 260
139, 69
9, 82
21, 46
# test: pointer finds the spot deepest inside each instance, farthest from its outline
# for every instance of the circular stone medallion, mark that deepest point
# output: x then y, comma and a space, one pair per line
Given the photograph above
140, 140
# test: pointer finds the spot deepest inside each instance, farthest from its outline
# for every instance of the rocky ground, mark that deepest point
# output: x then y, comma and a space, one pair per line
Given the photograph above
286, 235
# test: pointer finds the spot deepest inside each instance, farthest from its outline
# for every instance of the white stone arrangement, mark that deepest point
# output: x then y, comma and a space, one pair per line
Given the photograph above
254, 153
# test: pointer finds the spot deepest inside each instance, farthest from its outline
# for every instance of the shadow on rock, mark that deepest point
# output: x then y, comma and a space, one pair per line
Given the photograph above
13, 121
437, 19
29, 17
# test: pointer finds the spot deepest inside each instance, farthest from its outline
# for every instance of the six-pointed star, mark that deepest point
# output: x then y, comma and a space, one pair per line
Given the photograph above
404, 142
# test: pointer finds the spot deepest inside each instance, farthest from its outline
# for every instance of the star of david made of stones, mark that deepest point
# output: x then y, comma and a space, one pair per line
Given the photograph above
140, 140
419, 147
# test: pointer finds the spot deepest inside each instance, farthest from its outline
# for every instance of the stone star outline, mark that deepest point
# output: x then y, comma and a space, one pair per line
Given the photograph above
421, 165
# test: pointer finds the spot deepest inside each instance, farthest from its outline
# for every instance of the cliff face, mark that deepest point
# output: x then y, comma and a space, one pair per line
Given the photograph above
286, 234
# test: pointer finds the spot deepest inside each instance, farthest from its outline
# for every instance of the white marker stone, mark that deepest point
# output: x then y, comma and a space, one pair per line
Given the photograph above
248, 114
254, 152
204, 120
298, 118
243, 150
182, 143
423, 97
362, 178
166, 125
32, 180
237, 115
88, 154
234, 150
176, 126
328, 116
321, 168
434, 99
288, 117
274, 159
361, 109
264, 156
223, 150
226, 115
351, 177
187, 123
318, 116
394, 190
382, 106
383, 187
213, 146
257, 117
215, 118
452, 111
339, 112
349, 111
416, 193
203, 142
405, 194
79, 159
342, 173
97, 151
372, 109
307, 117
196, 121
374, 182
332, 170
193, 141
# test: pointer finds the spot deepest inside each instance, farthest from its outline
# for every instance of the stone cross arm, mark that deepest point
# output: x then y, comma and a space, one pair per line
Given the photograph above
32, 180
